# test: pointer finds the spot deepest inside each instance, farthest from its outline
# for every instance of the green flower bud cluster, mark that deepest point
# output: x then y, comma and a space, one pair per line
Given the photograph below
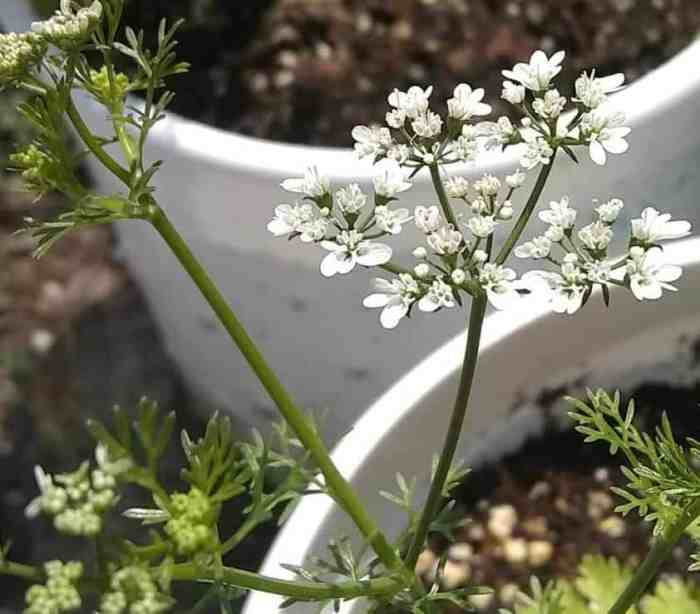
191, 526
60, 593
99, 80
133, 590
40, 171
19, 53
71, 25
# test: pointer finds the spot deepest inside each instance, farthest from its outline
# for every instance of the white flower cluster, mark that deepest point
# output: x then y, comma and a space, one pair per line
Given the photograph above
19, 53
77, 500
71, 25
132, 589
60, 593
582, 256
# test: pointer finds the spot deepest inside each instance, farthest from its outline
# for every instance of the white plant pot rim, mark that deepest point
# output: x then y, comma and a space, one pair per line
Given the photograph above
644, 100
374, 426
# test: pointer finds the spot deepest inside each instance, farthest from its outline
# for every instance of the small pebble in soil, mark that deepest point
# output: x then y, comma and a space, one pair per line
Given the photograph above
508, 592
460, 552
515, 550
426, 564
539, 552
482, 602
502, 521
455, 574
613, 526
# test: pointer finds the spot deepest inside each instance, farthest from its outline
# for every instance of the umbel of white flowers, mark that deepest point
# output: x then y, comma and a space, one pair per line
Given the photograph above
352, 226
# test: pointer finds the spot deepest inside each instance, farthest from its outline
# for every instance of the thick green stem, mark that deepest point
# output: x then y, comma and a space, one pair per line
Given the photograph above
340, 488
659, 552
442, 195
526, 212
454, 430
26, 572
87, 137
296, 589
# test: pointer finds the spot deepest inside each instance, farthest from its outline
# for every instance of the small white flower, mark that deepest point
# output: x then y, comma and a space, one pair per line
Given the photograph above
649, 274
515, 180
654, 226
414, 102
447, 240
538, 151
592, 92
559, 214
466, 103
420, 253
290, 218
488, 185
421, 270
19, 53
565, 290
498, 283
480, 206
456, 187
350, 248
608, 212
482, 225
598, 272
400, 153
550, 105
390, 220
311, 184
538, 73
393, 297
480, 256
427, 125
428, 219
465, 147
498, 133
391, 180
350, 199
71, 25
458, 276
396, 118
439, 295
539, 247
596, 236
371, 141
506, 211
604, 133
314, 230
555, 234
513, 93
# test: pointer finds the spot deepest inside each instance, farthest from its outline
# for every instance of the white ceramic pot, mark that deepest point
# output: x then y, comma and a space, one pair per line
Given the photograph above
522, 354
220, 190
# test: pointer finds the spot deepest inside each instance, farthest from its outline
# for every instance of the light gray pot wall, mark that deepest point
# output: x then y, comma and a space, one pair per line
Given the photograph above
220, 190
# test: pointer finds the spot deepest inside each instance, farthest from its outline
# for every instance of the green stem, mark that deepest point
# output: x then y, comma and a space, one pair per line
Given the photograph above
526, 212
394, 268
296, 589
87, 137
442, 195
659, 552
26, 572
340, 488
454, 430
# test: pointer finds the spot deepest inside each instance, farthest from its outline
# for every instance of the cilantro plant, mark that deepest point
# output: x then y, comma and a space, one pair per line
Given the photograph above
467, 239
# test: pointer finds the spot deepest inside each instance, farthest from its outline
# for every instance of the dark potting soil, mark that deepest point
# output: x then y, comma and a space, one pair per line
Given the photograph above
556, 491
307, 71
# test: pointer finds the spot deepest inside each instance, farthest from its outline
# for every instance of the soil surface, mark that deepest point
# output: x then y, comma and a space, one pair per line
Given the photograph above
307, 71
540, 510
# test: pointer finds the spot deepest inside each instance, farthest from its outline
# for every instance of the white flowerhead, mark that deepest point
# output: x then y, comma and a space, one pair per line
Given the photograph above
19, 53
498, 133
565, 290
598, 271
487, 185
591, 92
428, 219
466, 103
550, 105
313, 230
350, 248
609, 211
538, 151
497, 281
481, 225
458, 276
604, 133
447, 240
371, 141
513, 93
596, 236
400, 153
350, 199
538, 73
505, 212
465, 146
71, 25
290, 218
439, 295
396, 118
420, 253
539, 247
515, 180
456, 187
427, 125
654, 226
391, 220
311, 184
394, 298
555, 234
390, 181
413, 103
559, 214
421, 270
480, 206
649, 274
480, 256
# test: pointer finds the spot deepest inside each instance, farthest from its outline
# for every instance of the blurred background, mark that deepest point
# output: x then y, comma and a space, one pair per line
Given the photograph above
76, 334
